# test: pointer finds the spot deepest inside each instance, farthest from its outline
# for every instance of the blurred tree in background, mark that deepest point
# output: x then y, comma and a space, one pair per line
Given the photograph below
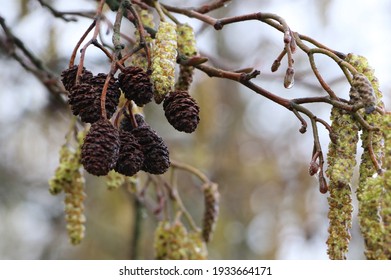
270, 208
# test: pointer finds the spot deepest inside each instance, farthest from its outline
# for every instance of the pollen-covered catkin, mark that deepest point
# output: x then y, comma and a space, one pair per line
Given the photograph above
341, 162
385, 211
164, 60
173, 242
65, 171
114, 180
186, 46
68, 169
74, 209
68, 177
370, 191
139, 59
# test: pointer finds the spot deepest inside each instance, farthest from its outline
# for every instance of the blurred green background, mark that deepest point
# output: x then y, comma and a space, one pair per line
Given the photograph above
270, 207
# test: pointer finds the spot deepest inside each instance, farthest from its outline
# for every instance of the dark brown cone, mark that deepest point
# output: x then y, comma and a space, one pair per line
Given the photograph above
112, 95
155, 151
68, 77
182, 111
85, 98
136, 84
127, 125
131, 156
100, 150
81, 97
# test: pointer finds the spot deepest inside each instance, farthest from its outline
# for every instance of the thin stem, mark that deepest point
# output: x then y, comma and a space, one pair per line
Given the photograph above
159, 10
136, 228
95, 24
190, 169
322, 82
78, 44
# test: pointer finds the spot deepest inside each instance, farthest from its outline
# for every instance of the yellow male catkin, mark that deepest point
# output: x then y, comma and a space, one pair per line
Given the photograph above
385, 205
140, 58
173, 242
164, 60
186, 46
341, 162
370, 190
64, 173
114, 180
68, 178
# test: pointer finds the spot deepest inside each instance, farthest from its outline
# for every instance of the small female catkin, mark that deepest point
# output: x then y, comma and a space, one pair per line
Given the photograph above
341, 162
164, 60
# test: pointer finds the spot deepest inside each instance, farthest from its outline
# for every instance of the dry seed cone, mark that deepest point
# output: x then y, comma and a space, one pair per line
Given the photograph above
131, 156
341, 162
181, 111
164, 60
100, 150
85, 98
68, 77
136, 85
156, 155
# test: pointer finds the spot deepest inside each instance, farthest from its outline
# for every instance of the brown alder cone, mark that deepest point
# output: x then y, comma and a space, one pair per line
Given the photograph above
85, 98
100, 150
131, 156
136, 85
182, 111
68, 77
156, 154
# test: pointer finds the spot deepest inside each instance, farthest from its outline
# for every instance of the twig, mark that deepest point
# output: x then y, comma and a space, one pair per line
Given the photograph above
63, 15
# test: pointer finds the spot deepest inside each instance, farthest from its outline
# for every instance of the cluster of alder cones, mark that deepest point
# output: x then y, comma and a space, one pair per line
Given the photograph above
134, 145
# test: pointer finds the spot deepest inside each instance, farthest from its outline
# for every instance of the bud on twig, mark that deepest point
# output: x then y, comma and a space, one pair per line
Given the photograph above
289, 79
